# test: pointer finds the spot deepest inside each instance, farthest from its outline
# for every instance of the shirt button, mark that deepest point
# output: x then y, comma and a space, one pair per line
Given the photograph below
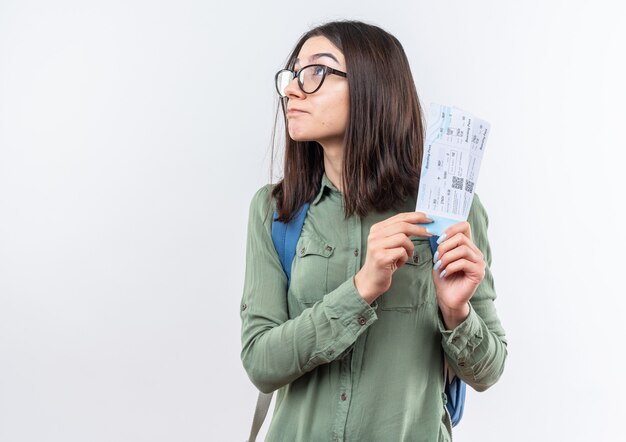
462, 364
302, 250
455, 340
245, 306
356, 252
329, 248
343, 396
362, 320
416, 259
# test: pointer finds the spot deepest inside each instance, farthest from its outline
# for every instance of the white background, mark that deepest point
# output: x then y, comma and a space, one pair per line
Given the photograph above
134, 134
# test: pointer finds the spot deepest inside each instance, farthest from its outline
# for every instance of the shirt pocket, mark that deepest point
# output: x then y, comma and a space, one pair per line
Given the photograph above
412, 283
309, 271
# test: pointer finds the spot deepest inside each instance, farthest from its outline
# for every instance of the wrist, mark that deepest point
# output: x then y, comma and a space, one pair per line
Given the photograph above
361, 288
454, 316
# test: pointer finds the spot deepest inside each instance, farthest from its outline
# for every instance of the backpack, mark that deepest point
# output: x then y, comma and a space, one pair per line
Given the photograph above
285, 238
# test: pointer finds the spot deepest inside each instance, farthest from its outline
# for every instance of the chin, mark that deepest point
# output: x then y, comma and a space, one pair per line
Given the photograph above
299, 137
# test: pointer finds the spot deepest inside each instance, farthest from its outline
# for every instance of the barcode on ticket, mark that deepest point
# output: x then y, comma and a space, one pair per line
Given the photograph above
457, 183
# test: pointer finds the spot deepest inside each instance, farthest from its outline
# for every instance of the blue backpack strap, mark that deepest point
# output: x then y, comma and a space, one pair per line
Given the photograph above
285, 237
456, 399
455, 391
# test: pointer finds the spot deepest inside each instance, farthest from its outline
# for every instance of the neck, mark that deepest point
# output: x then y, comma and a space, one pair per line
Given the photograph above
333, 162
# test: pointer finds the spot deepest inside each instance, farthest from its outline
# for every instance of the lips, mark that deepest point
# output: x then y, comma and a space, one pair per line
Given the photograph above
294, 111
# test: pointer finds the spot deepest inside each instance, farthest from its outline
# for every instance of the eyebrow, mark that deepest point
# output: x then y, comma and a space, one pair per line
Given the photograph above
316, 56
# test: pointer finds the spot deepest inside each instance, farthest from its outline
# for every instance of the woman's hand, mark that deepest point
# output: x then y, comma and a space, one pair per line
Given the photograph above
388, 248
459, 269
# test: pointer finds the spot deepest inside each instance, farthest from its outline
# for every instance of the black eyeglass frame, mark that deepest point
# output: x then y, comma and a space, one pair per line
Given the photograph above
327, 71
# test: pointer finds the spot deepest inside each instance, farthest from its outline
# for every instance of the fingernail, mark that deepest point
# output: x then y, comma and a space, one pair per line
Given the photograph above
430, 218
437, 264
442, 274
436, 257
442, 238
429, 231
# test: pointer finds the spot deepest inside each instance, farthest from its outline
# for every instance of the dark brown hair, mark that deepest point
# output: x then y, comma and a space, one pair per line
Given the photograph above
383, 142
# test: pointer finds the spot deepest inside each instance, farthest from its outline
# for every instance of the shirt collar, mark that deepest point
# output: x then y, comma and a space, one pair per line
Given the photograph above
325, 183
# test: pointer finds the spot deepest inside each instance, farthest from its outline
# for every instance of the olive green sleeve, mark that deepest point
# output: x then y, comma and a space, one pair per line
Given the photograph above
276, 349
477, 348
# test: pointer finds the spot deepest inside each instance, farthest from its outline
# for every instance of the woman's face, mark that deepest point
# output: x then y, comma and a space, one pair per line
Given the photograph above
323, 115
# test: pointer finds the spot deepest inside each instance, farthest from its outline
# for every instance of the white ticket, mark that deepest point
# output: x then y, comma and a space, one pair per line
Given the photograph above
453, 150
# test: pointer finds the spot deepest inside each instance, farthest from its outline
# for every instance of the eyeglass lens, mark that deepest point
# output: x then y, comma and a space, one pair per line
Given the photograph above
310, 79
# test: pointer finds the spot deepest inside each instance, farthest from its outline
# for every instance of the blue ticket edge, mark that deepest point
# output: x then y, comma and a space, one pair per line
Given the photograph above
439, 224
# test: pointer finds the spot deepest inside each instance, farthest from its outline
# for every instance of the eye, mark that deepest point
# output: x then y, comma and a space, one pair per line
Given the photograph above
318, 71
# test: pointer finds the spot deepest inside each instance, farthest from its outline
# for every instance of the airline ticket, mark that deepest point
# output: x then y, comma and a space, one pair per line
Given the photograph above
453, 150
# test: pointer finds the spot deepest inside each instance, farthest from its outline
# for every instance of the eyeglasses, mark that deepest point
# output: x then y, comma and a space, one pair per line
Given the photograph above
310, 78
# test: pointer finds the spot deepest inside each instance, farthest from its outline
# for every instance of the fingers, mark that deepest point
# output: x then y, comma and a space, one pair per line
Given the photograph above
399, 258
473, 270
396, 247
406, 217
389, 244
457, 240
457, 252
397, 240
391, 259
407, 228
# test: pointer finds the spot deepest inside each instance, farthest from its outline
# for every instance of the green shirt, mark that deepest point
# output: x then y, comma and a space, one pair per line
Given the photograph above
346, 370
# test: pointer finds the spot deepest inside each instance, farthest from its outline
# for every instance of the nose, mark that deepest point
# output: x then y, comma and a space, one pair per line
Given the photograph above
293, 89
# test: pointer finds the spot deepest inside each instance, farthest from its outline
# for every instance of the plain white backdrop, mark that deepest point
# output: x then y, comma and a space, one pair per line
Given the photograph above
133, 135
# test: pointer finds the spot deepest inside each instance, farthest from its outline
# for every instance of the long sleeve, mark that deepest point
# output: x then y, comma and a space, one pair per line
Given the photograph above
276, 349
477, 348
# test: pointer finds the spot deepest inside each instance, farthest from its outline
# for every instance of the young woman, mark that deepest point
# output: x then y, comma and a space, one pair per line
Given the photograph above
355, 340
